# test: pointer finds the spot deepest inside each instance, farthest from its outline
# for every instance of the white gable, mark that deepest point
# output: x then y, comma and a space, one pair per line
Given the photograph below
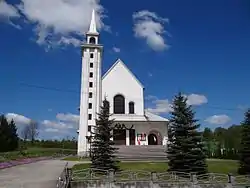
120, 80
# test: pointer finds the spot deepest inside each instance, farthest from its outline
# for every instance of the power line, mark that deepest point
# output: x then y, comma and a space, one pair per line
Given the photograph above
78, 92
48, 88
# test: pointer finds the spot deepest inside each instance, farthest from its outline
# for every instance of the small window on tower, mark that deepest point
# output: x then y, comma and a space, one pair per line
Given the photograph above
91, 55
90, 116
90, 105
89, 128
90, 94
91, 65
90, 84
91, 74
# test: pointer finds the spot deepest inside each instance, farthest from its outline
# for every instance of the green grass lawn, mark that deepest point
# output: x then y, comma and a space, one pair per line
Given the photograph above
215, 166
34, 152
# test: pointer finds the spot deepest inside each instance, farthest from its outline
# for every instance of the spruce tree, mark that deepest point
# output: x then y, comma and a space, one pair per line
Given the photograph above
244, 153
186, 151
13, 143
8, 135
102, 147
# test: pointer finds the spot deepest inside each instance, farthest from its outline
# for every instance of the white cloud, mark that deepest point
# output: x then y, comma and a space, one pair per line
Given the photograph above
117, 50
196, 99
160, 106
7, 10
51, 130
164, 105
59, 22
19, 119
68, 117
218, 119
57, 125
150, 26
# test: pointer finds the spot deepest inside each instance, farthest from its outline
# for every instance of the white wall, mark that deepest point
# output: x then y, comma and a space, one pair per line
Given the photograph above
120, 81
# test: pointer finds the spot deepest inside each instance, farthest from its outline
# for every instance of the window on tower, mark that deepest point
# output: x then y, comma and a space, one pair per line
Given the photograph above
90, 94
91, 55
91, 74
92, 40
91, 65
90, 105
90, 84
89, 128
119, 104
90, 116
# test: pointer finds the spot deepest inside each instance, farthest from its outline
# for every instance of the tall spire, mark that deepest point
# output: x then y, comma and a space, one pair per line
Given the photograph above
92, 27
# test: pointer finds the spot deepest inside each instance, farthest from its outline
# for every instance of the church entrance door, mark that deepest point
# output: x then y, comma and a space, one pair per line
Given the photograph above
119, 136
152, 139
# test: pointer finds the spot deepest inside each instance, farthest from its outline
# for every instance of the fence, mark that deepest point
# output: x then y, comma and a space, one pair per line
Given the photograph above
90, 178
64, 178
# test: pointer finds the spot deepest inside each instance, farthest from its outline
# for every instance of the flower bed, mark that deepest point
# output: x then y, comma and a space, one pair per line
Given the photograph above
21, 162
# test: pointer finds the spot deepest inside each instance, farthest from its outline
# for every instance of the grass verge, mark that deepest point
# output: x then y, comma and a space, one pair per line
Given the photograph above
214, 166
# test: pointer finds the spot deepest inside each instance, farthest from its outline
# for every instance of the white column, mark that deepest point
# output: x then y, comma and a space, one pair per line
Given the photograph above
127, 138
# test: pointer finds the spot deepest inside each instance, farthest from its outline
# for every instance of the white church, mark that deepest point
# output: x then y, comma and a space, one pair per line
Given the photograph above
125, 94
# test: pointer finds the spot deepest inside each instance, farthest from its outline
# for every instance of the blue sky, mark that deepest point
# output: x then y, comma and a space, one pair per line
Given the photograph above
198, 47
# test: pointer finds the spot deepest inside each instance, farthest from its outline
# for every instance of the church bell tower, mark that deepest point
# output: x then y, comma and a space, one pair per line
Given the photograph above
91, 84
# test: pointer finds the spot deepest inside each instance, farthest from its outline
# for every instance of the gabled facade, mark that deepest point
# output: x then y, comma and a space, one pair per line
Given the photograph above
120, 85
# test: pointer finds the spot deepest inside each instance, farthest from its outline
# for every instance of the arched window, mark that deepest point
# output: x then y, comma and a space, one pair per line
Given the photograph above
119, 104
131, 106
92, 40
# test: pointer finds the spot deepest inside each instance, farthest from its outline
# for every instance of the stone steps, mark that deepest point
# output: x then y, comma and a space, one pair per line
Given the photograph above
135, 153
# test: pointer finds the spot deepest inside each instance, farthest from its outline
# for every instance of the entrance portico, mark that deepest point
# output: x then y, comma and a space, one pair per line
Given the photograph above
140, 133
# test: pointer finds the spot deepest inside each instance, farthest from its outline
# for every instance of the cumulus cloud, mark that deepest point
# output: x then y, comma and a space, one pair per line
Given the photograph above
19, 119
218, 119
57, 124
116, 50
68, 117
150, 26
7, 10
58, 22
161, 106
63, 123
196, 99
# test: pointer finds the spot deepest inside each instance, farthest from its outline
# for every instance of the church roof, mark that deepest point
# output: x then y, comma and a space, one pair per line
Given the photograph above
140, 118
153, 117
119, 61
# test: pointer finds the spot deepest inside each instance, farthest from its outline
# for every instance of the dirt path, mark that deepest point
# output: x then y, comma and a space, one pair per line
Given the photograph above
42, 174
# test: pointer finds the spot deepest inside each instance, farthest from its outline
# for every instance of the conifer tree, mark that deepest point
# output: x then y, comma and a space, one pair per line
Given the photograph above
8, 135
102, 148
186, 151
244, 153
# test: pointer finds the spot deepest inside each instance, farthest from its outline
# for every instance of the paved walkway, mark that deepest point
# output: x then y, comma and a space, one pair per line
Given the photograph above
42, 174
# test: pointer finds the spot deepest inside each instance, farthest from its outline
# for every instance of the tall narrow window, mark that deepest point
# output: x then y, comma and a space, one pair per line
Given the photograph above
90, 94
131, 107
90, 105
90, 116
91, 55
119, 104
90, 84
91, 65
91, 74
